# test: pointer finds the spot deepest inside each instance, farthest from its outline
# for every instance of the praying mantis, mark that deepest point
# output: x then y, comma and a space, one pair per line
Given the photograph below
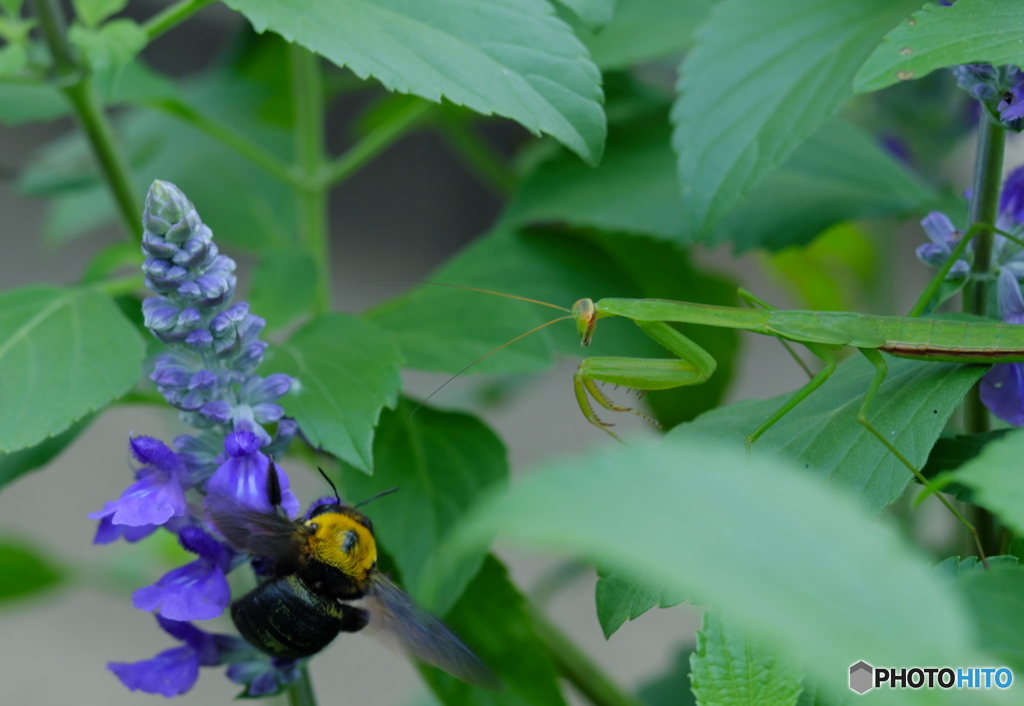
821, 332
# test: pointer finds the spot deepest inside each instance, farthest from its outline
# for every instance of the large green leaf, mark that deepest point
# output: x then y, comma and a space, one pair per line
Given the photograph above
439, 461
996, 599
347, 372
822, 432
967, 32
760, 80
996, 479
18, 463
774, 550
732, 667
509, 57
594, 12
64, 353
643, 30
622, 597
839, 174
23, 571
495, 621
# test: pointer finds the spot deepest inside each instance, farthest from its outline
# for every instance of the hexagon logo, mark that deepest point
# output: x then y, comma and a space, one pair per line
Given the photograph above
861, 677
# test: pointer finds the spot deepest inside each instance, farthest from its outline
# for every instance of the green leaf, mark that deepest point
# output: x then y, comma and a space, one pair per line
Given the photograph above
672, 688
731, 667
996, 599
13, 58
23, 571
18, 463
492, 618
12, 7
954, 567
622, 597
841, 173
644, 30
113, 45
283, 286
951, 452
774, 550
347, 372
594, 13
92, 12
822, 433
994, 476
440, 462
509, 57
65, 353
967, 32
759, 82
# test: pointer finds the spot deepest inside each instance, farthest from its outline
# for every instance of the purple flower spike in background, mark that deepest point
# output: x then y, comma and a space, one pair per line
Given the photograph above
1002, 388
208, 374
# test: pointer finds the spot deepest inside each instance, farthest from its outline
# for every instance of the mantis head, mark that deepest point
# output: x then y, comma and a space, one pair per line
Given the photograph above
584, 313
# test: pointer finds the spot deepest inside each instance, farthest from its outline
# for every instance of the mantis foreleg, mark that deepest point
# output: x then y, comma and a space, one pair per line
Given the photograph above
692, 366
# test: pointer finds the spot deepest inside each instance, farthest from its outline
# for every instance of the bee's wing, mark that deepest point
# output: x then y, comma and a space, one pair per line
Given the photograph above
263, 533
394, 615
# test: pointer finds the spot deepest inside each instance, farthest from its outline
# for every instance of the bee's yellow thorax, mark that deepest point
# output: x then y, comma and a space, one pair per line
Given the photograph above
344, 543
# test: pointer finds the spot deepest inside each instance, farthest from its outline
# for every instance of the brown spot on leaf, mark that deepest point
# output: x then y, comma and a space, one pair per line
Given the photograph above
906, 51
904, 75
911, 22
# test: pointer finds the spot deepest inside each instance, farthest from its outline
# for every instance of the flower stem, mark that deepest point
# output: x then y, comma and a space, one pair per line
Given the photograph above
172, 16
300, 693
73, 80
984, 208
577, 668
311, 187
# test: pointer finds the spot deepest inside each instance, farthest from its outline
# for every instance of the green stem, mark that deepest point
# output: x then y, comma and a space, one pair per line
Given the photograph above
578, 669
377, 140
984, 208
300, 693
231, 138
75, 83
121, 285
479, 156
308, 99
172, 16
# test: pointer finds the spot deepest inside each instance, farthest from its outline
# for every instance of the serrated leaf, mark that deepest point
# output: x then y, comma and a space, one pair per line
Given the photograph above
18, 463
732, 668
348, 371
996, 600
92, 12
23, 571
111, 46
644, 30
492, 618
823, 435
760, 80
994, 476
283, 286
509, 57
64, 353
440, 462
595, 13
762, 566
967, 32
672, 688
621, 597
954, 567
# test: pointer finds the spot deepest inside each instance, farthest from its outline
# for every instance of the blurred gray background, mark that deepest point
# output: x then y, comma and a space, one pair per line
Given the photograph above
392, 223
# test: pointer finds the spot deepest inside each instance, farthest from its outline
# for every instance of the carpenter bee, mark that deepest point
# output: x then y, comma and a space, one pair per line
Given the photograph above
324, 581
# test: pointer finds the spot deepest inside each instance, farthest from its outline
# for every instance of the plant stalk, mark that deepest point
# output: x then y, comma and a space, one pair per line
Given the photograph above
312, 188
73, 80
577, 668
984, 208
172, 16
300, 693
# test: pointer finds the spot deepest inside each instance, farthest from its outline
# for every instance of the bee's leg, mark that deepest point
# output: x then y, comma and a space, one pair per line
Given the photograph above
353, 618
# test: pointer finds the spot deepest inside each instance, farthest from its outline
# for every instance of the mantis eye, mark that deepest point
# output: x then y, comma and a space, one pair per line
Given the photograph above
349, 542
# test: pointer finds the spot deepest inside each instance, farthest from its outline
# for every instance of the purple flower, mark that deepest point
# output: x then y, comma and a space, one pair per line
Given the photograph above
264, 676
174, 671
244, 476
944, 238
196, 591
157, 495
1002, 388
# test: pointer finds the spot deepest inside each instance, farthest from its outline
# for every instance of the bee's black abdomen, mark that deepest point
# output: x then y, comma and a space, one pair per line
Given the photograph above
283, 618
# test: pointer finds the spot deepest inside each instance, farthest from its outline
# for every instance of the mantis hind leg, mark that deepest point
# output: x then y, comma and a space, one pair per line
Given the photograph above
881, 370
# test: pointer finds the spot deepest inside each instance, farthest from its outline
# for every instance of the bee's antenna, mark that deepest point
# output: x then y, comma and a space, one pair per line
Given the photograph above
381, 494
330, 483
